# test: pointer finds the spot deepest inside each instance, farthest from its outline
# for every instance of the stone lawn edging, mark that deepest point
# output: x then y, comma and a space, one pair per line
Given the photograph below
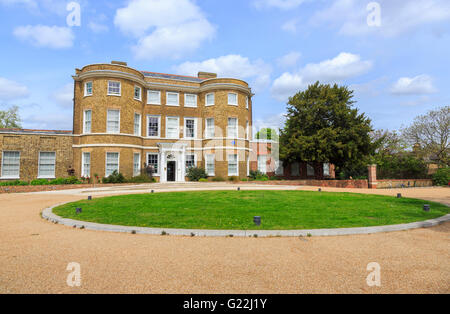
50, 216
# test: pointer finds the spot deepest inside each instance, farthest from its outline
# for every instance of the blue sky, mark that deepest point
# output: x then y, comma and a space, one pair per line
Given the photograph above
398, 67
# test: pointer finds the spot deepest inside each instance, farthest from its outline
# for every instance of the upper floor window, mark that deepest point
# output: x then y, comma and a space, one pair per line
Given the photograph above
246, 102
232, 99
87, 127
137, 124
153, 97
190, 100
232, 130
11, 165
113, 121
209, 132
209, 99
172, 127
247, 131
173, 99
154, 126
114, 88
190, 127
137, 93
47, 161
88, 89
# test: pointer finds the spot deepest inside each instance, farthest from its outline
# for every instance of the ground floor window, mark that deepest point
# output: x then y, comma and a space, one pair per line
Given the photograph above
326, 169
112, 163
262, 163
279, 170
210, 165
309, 170
190, 161
47, 162
86, 169
295, 169
153, 160
11, 165
136, 164
233, 169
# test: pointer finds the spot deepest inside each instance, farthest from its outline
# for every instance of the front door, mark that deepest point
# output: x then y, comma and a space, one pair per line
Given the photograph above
171, 171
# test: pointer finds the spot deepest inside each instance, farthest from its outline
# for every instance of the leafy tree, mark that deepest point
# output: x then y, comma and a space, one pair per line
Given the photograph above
267, 134
388, 142
10, 118
323, 126
430, 133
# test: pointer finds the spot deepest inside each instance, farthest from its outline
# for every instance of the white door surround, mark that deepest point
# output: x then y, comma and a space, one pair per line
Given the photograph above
173, 152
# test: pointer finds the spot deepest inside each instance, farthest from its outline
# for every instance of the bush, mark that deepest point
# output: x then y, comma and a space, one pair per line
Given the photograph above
141, 179
203, 180
40, 182
115, 177
401, 167
442, 176
72, 180
244, 180
218, 179
195, 174
233, 179
255, 173
14, 183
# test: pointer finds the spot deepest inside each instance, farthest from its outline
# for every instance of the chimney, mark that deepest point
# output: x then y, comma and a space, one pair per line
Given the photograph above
119, 63
206, 75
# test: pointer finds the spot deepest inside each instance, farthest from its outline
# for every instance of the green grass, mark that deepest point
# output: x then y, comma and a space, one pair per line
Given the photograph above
282, 210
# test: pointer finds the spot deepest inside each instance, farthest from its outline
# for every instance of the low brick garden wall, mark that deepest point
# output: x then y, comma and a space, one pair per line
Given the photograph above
42, 188
351, 184
387, 184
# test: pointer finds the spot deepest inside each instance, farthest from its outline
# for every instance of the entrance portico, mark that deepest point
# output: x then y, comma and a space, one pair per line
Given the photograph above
172, 162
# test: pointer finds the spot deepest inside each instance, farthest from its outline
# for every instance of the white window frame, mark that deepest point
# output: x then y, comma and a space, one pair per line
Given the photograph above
120, 89
83, 162
39, 167
206, 99
3, 164
207, 160
107, 119
237, 99
207, 135
106, 163
195, 128
84, 122
178, 99
186, 103
86, 93
140, 93
138, 172
178, 127
236, 129
159, 126
195, 160
158, 173
139, 131
148, 97
237, 165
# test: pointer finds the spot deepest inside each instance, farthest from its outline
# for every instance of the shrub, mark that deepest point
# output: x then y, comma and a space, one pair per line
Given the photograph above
40, 182
244, 180
141, 179
195, 174
442, 176
59, 181
255, 173
115, 177
218, 179
14, 183
203, 180
233, 179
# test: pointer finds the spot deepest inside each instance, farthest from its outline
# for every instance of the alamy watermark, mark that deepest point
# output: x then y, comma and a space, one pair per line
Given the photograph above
74, 17
74, 277
374, 277
374, 16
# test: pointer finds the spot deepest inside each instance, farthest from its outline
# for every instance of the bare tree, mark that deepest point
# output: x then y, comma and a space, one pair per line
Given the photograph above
10, 118
429, 134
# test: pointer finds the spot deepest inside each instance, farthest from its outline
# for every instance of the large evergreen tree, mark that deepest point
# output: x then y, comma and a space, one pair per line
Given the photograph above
323, 126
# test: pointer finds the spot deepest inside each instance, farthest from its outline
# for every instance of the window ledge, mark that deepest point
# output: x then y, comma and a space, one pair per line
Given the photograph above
9, 178
117, 95
44, 177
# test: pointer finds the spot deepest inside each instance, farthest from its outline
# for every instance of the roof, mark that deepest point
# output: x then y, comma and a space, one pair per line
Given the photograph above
172, 76
29, 131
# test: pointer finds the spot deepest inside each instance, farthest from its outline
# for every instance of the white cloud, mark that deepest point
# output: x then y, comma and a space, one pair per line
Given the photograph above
275, 121
279, 4
234, 66
164, 27
98, 27
53, 121
397, 16
343, 66
55, 37
421, 84
290, 26
64, 96
289, 60
10, 90
28, 3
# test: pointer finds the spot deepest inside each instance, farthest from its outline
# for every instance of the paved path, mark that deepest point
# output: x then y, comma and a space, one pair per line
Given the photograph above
34, 255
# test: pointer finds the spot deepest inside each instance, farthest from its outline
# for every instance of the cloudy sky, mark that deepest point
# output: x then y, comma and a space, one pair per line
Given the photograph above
397, 61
